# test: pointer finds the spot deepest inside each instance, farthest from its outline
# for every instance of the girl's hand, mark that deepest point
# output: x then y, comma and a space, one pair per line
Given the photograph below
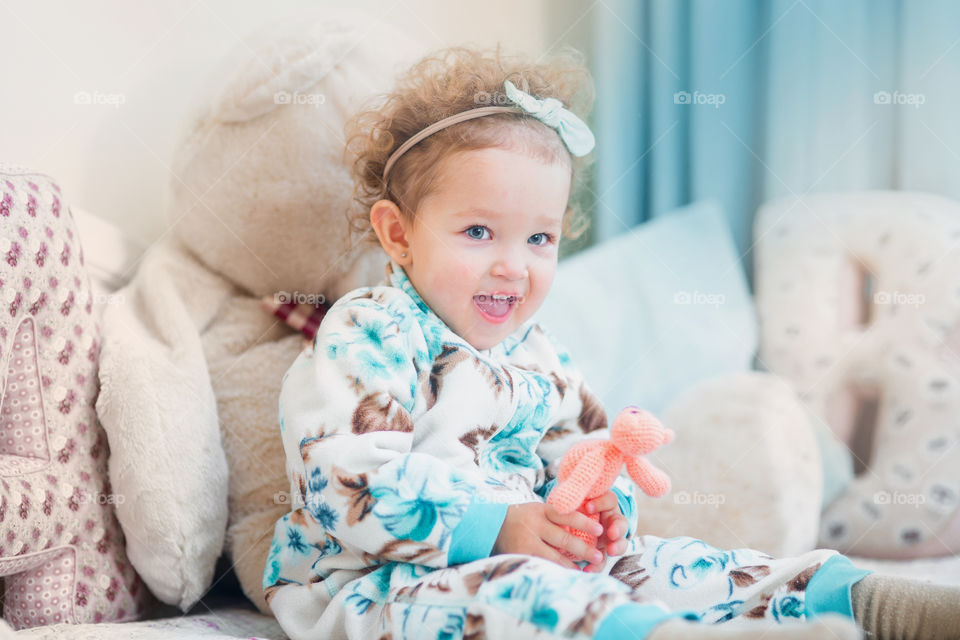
536, 529
613, 540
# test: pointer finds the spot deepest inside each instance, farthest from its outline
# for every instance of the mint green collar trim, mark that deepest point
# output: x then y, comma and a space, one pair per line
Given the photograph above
399, 279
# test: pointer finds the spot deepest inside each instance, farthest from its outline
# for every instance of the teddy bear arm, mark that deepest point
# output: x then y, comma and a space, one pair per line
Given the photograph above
575, 487
654, 482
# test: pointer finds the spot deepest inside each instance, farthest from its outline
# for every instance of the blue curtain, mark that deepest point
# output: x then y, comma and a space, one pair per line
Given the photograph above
747, 100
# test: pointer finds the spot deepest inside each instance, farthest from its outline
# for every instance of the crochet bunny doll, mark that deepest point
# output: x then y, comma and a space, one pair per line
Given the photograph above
589, 468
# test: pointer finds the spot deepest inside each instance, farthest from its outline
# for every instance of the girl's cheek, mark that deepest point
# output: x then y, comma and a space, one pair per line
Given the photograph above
463, 272
454, 276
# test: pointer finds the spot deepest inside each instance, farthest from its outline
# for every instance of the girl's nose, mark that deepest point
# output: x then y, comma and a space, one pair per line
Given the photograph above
510, 266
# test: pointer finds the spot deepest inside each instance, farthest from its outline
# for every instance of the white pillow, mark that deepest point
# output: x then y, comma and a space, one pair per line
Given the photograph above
159, 411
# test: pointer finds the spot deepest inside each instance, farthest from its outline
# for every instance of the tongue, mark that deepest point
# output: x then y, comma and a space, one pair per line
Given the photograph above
488, 305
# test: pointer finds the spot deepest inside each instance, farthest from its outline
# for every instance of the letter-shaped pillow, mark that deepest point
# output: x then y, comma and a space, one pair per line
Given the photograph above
858, 296
62, 550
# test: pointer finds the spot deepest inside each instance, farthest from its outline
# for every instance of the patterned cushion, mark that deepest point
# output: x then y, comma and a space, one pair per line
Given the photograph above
859, 303
61, 549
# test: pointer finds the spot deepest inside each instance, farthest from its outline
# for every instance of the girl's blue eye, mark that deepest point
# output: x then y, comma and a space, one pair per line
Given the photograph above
545, 238
475, 237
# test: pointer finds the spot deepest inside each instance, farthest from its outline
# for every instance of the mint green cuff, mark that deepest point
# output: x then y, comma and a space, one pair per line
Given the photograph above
473, 538
829, 589
633, 620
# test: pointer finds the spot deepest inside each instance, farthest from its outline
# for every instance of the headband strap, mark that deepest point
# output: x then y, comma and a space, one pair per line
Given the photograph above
574, 132
442, 124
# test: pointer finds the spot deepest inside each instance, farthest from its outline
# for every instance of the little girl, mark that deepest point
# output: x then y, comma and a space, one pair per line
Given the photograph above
423, 429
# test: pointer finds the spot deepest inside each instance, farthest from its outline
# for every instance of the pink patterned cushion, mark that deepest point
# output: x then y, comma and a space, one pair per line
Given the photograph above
61, 548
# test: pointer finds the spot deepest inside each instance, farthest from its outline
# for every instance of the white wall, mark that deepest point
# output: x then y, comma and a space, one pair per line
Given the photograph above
140, 63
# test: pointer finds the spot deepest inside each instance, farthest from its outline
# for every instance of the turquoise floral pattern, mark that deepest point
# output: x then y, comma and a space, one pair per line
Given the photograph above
316, 504
291, 545
365, 593
514, 448
412, 498
545, 598
329, 547
689, 564
422, 620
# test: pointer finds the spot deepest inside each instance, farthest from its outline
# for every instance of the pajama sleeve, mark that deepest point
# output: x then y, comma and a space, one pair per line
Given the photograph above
581, 417
346, 417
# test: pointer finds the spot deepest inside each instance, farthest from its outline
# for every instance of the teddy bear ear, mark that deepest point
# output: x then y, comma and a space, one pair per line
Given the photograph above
628, 419
302, 58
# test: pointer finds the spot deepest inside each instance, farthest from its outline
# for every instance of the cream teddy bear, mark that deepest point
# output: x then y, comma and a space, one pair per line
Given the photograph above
191, 366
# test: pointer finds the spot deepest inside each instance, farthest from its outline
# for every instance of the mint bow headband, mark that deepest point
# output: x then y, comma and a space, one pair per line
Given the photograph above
574, 132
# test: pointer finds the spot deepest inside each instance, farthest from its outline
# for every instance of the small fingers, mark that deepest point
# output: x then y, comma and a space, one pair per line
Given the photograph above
596, 567
574, 520
614, 525
615, 529
617, 548
552, 554
562, 539
613, 540
606, 502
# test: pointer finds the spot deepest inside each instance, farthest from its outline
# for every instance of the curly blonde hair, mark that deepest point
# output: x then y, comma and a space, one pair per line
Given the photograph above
448, 82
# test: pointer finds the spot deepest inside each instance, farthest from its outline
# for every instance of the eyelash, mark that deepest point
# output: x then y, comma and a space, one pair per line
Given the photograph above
548, 236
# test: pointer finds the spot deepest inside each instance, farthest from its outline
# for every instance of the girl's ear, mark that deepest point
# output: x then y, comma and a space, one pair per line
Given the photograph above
389, 225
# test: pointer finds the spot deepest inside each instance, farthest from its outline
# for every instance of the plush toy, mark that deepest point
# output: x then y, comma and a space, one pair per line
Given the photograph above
588, 469
191, 365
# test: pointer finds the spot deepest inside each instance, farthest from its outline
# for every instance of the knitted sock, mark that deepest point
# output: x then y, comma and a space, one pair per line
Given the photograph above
829, 626
892, 607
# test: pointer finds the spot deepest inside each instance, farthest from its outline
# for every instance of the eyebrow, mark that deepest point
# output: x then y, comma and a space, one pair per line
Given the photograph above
475, 211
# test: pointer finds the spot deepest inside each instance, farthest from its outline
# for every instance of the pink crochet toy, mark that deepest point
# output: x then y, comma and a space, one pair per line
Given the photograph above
588, 469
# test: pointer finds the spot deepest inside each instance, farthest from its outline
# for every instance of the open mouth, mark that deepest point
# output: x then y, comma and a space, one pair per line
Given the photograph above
495, 308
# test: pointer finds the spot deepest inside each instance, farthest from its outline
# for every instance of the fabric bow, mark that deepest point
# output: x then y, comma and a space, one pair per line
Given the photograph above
573, 131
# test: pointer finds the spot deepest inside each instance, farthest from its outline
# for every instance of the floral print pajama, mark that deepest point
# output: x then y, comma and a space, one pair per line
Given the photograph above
404, 446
